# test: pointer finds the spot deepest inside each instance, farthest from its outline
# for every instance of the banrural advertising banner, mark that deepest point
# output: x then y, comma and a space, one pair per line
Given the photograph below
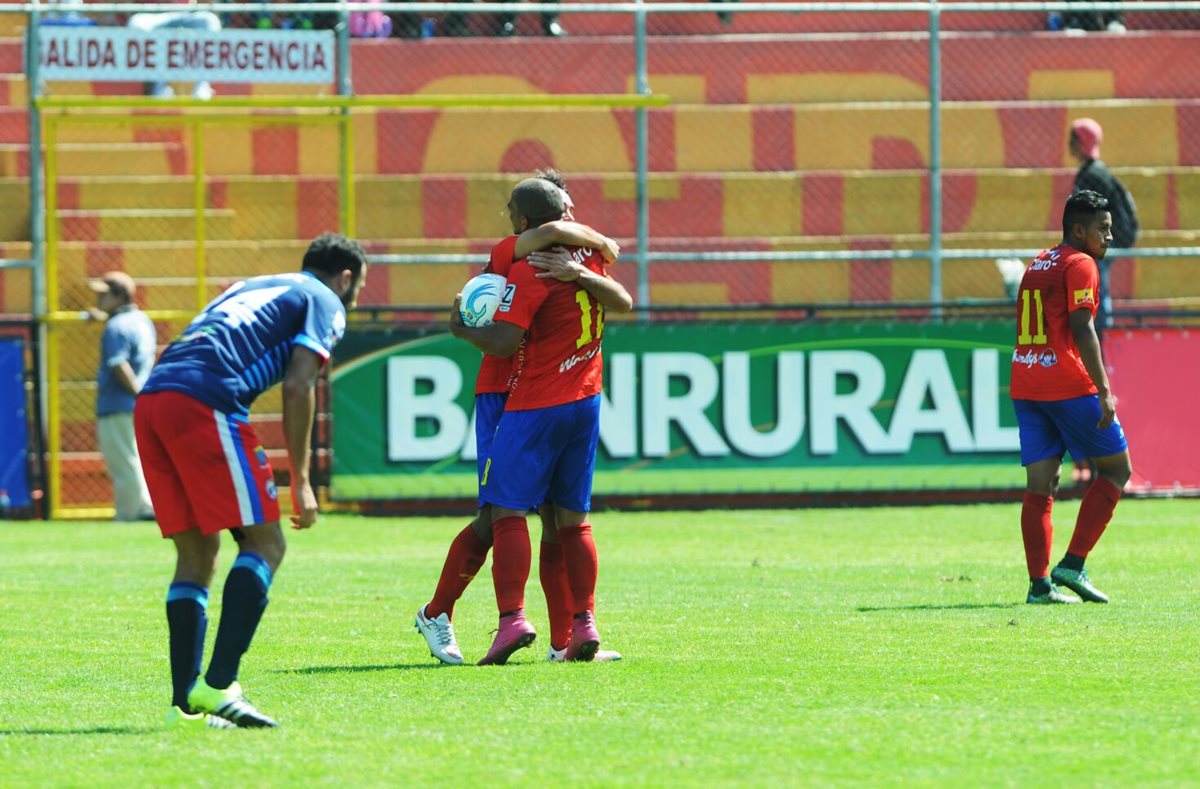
705, 408
117, 54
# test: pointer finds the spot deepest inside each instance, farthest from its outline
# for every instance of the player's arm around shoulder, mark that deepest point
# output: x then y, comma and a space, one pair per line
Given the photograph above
606, 290
564, 233
560, 265
299, 408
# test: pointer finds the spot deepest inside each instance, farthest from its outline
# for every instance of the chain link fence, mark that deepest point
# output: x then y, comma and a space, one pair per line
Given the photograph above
798, 163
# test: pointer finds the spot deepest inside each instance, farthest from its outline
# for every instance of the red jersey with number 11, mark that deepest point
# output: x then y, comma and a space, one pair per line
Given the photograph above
1046, 364
559, 359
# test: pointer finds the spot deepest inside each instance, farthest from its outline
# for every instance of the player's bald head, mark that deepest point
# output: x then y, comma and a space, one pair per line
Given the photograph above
537, 200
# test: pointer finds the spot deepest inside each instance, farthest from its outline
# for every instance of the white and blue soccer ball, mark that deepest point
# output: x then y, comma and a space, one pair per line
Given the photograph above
481, 298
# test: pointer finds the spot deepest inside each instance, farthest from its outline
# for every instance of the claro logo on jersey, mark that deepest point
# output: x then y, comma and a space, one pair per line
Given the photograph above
1084, 296
1047, 358
1050, 260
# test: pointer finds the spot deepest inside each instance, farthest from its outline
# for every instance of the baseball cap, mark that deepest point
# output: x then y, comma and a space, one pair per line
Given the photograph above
116, 282
1089, 134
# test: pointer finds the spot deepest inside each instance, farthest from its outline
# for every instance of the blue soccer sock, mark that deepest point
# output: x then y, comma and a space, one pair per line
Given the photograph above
187, 622
242, 606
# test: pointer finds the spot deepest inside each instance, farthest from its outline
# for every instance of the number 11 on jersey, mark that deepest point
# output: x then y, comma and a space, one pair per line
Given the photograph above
584, 300
1024, 337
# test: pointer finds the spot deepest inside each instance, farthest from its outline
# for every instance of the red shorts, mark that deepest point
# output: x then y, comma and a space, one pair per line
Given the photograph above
205, 469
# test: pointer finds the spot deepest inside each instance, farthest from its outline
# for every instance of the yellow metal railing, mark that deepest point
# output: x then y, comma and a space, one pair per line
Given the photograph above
195, 116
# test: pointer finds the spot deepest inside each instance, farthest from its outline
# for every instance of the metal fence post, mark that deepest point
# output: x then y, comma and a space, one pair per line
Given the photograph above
643, 162
346, 190
935, 158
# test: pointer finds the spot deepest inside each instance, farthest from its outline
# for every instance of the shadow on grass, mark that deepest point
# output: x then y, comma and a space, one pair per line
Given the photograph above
73, 732
357, 669
932, 607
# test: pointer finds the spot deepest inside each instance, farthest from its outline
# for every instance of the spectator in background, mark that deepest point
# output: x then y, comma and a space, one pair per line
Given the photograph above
190, 19
550, 25
1093, 174
725, 17
1094, 21
126, 356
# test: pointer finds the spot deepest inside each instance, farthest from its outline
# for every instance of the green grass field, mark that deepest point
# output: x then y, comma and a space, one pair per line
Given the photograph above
762, 648
638, 481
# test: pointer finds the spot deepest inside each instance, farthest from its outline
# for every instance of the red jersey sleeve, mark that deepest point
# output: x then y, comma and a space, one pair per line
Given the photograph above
524, 296
494, 372
1082, 285
501, 258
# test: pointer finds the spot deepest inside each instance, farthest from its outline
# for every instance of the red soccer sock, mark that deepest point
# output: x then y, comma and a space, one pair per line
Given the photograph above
510, 562
583, 565
1037, 532
1095, 511
552, 570
466, 555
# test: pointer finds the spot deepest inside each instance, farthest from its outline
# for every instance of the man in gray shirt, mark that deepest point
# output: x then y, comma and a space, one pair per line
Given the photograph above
126, 356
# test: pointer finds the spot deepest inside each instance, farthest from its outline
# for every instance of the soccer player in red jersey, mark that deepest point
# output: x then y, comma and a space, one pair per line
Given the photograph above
544, 449
469, 549
1063, 401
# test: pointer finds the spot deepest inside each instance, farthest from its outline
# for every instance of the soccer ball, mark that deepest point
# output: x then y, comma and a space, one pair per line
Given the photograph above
480, 299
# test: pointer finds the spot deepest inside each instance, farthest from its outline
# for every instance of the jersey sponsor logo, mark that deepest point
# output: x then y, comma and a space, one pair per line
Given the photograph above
1047, 358
1083, 296
507, 299
578, 359
1043, 263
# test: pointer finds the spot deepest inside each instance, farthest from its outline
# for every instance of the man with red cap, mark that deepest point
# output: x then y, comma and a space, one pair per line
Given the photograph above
1094, 175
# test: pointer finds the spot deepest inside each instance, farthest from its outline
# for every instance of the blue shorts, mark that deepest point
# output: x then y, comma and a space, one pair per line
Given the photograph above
1048, 428
546, 454
488, 410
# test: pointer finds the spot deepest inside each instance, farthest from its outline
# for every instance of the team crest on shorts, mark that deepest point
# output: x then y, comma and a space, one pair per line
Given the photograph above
272, 491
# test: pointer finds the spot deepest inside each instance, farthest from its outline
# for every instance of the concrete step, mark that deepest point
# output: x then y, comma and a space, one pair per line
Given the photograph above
737, 205
154, 224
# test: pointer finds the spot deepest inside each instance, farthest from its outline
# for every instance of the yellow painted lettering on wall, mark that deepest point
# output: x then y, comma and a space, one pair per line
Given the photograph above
763, 204
832, 87
579, 139
831, 136
713, 139
1071, 84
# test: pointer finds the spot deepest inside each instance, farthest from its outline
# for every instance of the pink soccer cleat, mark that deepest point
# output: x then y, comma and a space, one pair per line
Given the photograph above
514, 633
585, 639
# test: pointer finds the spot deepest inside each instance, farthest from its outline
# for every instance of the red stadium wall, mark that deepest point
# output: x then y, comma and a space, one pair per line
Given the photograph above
1157, 410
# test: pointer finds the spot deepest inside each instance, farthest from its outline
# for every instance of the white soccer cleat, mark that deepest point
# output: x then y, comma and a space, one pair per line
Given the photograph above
439, 635
602, 656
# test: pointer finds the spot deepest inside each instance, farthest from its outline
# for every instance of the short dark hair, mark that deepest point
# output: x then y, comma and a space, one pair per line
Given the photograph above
553, 175
332, 253
538, 200
1081, 207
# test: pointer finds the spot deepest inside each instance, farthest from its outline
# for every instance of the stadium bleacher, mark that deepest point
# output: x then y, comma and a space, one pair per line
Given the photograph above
772, 142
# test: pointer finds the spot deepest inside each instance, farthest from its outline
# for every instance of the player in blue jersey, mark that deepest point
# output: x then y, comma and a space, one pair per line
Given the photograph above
206, 468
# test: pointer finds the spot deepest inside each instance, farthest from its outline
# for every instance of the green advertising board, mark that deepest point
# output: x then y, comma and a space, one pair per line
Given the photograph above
705, 408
